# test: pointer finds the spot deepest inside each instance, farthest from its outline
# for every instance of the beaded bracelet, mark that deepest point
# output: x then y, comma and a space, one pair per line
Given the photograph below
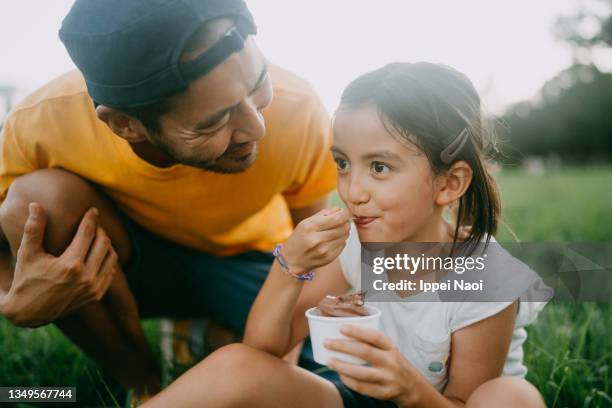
277, 252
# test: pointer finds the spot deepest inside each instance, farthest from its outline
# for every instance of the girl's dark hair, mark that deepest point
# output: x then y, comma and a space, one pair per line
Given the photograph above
429, 105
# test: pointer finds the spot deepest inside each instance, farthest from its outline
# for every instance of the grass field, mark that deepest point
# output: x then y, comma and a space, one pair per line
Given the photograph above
569, 351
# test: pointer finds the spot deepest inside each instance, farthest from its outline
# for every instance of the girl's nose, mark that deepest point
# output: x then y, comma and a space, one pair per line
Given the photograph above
356, 193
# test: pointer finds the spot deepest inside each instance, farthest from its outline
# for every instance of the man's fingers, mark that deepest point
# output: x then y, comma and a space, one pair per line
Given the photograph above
79, 247
99, 249
108, 270
33, 231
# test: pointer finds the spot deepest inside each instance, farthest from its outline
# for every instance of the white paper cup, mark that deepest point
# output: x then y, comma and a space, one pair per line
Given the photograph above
325, 327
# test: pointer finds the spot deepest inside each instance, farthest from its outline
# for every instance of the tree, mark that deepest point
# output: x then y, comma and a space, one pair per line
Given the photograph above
570, 118
589, 27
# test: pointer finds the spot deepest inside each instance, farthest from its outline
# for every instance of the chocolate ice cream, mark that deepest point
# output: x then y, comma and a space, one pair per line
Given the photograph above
349, 305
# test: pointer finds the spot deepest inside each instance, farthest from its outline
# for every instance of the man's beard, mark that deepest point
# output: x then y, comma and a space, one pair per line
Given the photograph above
238, 164
241, 163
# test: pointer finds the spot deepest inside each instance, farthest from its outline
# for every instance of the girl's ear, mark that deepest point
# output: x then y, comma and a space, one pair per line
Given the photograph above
452, 184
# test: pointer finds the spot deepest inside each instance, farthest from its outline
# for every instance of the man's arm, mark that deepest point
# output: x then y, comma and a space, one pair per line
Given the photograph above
6, 271
7, 266
13, 163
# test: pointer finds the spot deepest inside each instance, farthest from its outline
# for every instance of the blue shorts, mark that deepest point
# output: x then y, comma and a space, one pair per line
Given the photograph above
350, 398
170, 280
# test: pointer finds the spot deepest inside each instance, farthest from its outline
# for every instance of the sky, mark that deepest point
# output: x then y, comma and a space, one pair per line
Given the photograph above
506, 47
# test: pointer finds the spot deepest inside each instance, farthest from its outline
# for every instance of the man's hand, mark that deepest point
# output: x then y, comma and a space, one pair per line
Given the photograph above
46, 287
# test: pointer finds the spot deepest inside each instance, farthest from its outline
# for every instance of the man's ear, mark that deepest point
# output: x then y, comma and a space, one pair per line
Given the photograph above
122, 125
453, 183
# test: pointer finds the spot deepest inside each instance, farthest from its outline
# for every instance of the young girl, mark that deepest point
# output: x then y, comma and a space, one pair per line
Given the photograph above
409, 142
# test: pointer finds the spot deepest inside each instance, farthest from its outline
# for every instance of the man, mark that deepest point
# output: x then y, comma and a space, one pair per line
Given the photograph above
143, 185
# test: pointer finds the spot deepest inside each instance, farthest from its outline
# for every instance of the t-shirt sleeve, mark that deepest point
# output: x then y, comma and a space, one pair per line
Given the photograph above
316, 173
509, 279
464, 314
532, 302
13, 160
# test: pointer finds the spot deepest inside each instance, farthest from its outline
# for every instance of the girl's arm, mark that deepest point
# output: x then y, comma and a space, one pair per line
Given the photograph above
478, 353
276, 321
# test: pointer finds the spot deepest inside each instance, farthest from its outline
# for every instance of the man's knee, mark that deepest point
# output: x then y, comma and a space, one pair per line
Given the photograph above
65, 198
506, 392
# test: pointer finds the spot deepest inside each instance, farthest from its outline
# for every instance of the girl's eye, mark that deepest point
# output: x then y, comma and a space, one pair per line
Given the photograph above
380, 168
341, 164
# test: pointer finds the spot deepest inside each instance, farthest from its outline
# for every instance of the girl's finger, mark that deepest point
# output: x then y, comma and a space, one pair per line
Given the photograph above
372, 336
337, 245
332, 249
335, 219
331, 235
356, 371
356, 348
330, 211
365, 388
333, 245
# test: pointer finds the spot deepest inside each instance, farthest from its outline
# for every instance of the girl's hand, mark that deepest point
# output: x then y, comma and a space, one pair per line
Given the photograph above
317, 240
391, 376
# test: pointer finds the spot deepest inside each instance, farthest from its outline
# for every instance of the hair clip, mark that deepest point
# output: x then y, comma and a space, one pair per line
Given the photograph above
452, 150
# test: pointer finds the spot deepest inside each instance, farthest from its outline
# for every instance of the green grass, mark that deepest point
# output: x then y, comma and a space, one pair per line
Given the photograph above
568, 205
569, 355
568, 352
45, 357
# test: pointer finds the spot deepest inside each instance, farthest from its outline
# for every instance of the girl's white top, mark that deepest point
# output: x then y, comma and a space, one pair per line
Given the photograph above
422, 330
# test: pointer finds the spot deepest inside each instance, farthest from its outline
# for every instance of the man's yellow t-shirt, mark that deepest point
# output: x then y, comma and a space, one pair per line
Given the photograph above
223, 214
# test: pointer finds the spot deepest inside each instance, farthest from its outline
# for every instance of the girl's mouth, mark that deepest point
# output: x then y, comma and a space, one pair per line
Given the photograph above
363, 221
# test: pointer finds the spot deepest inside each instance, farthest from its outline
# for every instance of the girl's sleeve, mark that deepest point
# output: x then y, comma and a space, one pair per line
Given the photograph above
467, 313
509, 279
532, 302
464, 314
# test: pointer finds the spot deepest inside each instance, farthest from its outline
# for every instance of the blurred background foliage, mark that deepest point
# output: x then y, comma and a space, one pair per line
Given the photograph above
569, 120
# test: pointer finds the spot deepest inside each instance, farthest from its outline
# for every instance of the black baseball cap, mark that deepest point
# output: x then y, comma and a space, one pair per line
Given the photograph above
129, 50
